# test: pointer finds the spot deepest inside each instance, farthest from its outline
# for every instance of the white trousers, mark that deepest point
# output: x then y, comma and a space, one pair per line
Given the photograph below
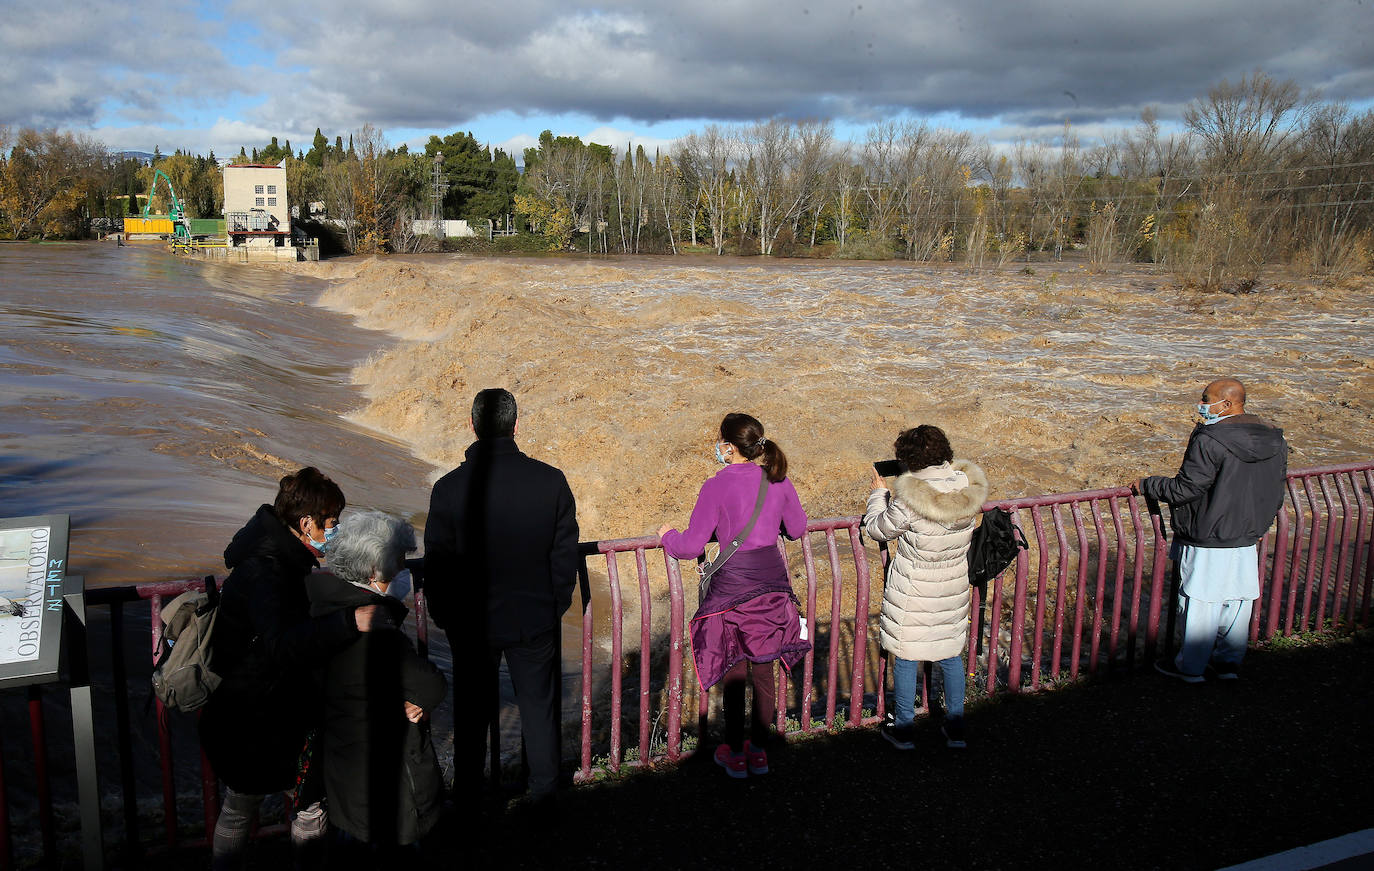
1212, 632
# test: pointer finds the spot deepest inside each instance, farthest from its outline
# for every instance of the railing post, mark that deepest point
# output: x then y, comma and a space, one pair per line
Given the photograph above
164, 735
676, 613
645, 655
809, 663
123, 730
1295, 558
856, 685
6, 844
38, 732
1161, 556
1018, 612
588, 625
1368, 531
617, 643
1080, 594
1271, 625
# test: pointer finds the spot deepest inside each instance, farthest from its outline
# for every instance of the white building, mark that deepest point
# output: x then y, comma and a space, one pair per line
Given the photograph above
256, 213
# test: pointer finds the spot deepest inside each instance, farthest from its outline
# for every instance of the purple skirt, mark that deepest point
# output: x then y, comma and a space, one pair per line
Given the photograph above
749, 613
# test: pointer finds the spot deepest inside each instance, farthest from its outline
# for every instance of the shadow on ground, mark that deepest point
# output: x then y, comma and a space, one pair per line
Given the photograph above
1133, 772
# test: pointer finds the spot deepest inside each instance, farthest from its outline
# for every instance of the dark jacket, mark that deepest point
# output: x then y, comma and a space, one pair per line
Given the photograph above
1231, 483
501, 538
380, 772
264, 647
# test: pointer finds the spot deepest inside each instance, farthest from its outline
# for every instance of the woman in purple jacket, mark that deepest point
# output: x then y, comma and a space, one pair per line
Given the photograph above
749, 614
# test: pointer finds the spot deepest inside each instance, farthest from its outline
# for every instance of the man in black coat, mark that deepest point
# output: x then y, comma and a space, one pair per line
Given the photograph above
500, 567
1222, 501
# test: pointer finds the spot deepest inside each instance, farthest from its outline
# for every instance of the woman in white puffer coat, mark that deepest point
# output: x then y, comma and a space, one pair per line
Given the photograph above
930, 511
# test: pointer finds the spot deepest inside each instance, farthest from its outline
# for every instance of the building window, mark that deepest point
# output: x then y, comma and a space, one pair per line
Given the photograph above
257, 189
258, 201
271, 188
271, 201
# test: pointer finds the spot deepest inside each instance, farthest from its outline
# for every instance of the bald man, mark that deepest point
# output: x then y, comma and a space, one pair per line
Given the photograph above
1222, 501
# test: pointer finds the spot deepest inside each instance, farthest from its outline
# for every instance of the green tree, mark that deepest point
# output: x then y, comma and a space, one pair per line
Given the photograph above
44, 182
319, 147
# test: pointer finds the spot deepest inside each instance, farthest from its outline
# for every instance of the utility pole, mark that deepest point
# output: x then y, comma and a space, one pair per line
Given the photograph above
439, 186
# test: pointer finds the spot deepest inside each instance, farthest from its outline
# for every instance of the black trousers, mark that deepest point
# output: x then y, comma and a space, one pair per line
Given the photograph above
536, 673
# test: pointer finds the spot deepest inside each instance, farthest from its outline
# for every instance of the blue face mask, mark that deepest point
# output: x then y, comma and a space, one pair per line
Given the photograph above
720, 458
1205, 410
323, 546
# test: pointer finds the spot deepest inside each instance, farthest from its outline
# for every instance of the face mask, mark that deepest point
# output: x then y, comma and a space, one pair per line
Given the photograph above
1205, 409
329, 534
721, 458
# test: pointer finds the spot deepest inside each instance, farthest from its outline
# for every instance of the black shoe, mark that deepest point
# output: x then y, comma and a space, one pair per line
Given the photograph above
898, 736
1169, 669
1226, 670
953, 730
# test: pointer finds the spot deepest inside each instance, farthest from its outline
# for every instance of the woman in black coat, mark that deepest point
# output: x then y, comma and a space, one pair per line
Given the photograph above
381, 775
265, 647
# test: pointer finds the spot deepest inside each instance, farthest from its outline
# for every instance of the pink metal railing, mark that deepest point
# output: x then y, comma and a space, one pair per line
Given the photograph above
1087, 597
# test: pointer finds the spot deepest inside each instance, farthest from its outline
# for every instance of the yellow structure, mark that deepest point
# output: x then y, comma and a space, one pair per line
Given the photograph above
155, 225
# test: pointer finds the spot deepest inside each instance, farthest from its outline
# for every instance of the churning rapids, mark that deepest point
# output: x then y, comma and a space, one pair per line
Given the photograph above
158, 399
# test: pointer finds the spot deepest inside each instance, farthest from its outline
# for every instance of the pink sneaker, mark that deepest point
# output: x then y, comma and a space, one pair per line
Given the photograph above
733, 763
757, 758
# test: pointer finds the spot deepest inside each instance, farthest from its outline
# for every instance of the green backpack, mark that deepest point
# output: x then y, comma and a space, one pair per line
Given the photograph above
182, 679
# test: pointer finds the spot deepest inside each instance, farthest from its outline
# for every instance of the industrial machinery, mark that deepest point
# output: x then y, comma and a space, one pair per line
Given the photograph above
181, 228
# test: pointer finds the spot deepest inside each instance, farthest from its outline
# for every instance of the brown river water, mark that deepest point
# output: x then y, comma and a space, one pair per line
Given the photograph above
157, 399
1053, 379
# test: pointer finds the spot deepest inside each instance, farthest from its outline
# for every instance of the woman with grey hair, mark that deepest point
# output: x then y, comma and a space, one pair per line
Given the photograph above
381, 775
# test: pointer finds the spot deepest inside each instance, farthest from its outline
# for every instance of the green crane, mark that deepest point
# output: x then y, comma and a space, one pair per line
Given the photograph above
181, 229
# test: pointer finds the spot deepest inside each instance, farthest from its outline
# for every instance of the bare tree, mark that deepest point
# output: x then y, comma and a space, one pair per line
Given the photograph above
881, 159
1247, 131
341, 196
710, 155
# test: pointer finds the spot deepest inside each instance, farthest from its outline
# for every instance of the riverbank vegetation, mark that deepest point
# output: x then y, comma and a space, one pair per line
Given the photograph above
1256, 173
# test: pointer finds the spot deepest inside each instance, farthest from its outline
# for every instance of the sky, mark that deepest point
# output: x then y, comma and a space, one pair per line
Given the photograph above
202, 76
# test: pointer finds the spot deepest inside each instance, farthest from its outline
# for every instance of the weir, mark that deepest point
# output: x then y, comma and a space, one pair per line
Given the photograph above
1091, 597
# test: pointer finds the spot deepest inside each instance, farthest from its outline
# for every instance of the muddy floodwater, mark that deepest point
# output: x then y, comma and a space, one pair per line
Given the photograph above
157, 400
1052, 378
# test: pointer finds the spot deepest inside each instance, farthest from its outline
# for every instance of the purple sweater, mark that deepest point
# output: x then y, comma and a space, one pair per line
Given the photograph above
724, 506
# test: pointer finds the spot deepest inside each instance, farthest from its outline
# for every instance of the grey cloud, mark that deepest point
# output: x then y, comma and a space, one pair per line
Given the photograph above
79, 62
735, 62
431, 65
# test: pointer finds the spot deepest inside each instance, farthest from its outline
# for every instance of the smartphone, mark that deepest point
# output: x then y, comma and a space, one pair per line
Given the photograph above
888, 468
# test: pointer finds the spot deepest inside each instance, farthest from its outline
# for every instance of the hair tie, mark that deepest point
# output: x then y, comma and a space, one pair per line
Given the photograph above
761, 442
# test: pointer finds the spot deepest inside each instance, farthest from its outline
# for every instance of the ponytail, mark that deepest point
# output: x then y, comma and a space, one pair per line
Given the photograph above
746, 434
774, 462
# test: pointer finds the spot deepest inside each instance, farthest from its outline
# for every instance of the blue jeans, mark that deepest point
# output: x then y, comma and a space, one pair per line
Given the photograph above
906, 674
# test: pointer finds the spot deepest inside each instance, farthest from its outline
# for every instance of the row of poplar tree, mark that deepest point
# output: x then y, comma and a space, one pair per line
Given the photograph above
1257, 172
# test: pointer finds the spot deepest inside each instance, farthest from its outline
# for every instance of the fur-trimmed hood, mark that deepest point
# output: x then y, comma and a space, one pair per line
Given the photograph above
948, 509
